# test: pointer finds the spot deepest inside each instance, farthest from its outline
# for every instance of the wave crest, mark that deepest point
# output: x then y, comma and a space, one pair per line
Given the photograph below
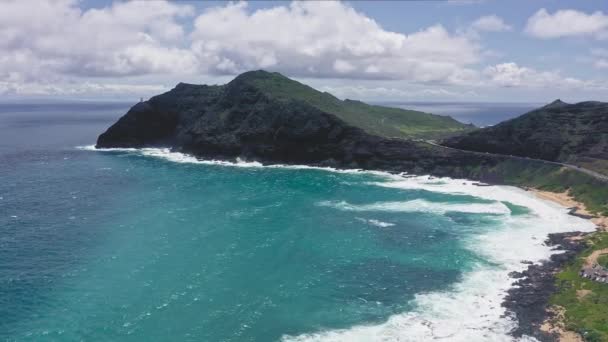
418, 205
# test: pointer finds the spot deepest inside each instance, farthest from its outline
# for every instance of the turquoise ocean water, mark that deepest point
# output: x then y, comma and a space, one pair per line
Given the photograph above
152, 245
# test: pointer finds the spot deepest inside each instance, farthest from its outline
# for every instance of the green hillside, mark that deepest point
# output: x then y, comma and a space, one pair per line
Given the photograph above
379, 120
568, 133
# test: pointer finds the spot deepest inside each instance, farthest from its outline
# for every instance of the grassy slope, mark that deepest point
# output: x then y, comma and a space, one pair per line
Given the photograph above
379, 120
603, 260
587, 315
584, 188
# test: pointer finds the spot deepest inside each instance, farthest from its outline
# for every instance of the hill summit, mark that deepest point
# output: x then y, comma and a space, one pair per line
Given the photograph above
270, 118
379, 120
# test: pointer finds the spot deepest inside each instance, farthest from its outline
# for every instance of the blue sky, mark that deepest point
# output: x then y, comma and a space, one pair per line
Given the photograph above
508, 51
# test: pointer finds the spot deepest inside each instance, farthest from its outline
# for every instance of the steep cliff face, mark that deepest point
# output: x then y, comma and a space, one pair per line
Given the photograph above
570, 133
241, 119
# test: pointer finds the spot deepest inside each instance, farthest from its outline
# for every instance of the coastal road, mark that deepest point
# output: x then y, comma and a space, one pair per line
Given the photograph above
594, 174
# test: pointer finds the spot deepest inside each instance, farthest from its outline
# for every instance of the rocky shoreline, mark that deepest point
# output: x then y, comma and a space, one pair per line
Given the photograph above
528, 300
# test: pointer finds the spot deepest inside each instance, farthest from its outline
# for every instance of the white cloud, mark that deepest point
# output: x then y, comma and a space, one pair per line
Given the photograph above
325, 39
567, 23
490, 23
512, 75
601, 63
59, 48
51, 39
59, 41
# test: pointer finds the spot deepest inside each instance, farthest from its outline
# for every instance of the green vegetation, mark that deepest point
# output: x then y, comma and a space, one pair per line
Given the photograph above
379, 120
603, 260
585, 301
568, 133
584, 188
598, 165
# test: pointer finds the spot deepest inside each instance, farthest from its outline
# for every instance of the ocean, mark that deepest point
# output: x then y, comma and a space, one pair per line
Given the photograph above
132, 245
481, 114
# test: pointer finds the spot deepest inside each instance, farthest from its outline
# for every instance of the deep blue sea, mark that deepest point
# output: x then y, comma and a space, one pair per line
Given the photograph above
150, 245
481, 114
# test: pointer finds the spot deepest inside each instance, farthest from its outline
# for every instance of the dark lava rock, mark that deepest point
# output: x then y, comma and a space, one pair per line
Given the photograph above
528, 300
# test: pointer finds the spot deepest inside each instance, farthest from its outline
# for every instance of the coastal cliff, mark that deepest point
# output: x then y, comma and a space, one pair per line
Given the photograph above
244, 119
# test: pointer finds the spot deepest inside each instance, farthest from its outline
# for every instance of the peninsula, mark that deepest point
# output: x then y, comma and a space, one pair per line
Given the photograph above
269, 118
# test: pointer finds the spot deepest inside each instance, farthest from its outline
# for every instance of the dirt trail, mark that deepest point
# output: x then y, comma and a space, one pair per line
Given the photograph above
592, 259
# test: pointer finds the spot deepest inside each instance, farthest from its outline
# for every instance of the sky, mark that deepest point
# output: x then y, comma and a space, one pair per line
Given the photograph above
461, 50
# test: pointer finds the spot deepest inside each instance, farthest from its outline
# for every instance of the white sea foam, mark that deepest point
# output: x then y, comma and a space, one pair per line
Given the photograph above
471, 310
376, 223
178, 157
420, 205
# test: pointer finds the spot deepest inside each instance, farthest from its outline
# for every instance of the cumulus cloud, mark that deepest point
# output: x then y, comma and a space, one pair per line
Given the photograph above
51, 39
325, 39
512, 75
59, 41
59, 48
567, 23
490, 23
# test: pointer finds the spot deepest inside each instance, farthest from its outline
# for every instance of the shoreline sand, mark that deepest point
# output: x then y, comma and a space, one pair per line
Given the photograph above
554, 324
564, 199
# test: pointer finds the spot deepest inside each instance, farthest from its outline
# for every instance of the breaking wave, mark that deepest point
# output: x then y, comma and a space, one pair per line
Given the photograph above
418, 205
471, 309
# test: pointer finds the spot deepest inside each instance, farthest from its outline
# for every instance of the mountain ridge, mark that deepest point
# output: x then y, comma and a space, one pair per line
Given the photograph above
561, 132
242, 119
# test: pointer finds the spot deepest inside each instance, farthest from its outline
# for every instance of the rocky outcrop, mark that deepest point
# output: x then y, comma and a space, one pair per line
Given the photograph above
528, 301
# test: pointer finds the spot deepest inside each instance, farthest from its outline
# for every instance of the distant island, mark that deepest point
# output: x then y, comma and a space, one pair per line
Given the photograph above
267, 117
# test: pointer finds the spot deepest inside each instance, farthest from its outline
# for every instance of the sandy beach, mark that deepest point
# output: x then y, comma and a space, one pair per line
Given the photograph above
563, 198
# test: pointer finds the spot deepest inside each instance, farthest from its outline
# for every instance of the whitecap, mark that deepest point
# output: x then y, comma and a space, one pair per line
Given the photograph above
376, 223
419, 205
179, 157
